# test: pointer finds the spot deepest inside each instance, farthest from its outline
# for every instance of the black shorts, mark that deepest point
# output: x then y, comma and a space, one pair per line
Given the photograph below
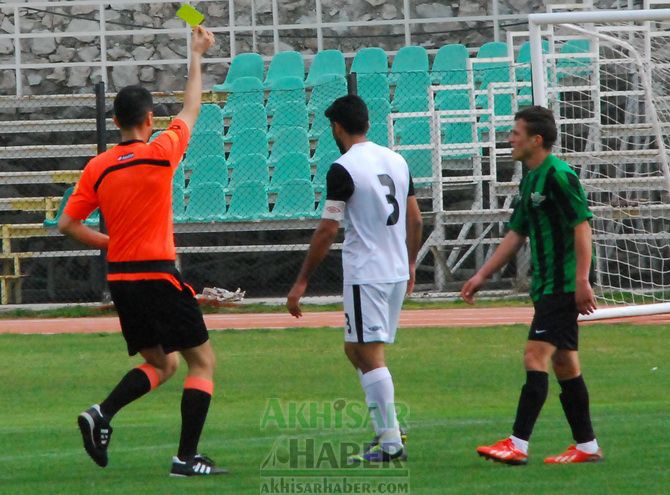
555, 321
155, 312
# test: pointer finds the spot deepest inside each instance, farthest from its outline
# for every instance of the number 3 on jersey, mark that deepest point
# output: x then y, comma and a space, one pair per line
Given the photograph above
387, 181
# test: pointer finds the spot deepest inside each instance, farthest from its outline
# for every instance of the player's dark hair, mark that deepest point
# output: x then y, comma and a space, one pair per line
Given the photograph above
350, 112
539, 122
131, 106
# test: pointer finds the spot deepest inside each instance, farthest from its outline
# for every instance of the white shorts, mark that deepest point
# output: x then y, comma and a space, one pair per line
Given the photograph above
372, 311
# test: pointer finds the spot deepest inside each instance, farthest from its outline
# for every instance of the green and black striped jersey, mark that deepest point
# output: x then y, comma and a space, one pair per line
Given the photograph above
551, 203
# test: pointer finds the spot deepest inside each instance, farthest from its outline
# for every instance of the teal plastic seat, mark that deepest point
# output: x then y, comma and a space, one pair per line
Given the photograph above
154, 135
420, 163
450, 65
322, 166
576, 67
325, 63
206, 203
291, 114
378, 110
370, 60
491, 70
295, 199
325, 146
209, 169
320, 124
93, 218
250, 167
455, 132
289, 140
409, 59
325, 91
373, 86
524, 71
285, 64
290, 167
247, 117
203, 144
285, 90
246, 91
178, 204
179, 177
413, 131
210, 118
378, 133
253, 141
249, 202
243, 65
411, 92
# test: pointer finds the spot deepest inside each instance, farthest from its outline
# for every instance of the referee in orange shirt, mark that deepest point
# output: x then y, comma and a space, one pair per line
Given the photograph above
132, 185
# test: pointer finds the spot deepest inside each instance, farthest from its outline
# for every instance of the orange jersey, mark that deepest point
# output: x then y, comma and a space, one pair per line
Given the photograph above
132, 185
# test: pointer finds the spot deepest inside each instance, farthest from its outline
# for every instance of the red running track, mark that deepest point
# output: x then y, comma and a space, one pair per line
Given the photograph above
475, 317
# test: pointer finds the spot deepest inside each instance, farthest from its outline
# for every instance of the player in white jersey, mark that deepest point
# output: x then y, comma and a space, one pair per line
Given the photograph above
369, 190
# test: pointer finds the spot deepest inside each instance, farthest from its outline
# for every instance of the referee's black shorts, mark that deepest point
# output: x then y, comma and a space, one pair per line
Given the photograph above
555, 321
156, 312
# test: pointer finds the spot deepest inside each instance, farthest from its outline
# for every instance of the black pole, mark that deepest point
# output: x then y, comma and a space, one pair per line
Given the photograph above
101, 142
352, 83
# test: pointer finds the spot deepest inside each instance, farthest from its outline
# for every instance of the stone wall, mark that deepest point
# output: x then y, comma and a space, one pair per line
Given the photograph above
86, 49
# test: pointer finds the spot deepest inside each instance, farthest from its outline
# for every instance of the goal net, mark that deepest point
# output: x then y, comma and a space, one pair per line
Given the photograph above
608, 84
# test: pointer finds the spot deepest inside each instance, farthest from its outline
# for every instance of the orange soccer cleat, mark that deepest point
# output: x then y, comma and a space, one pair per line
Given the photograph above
503, 451
574, 456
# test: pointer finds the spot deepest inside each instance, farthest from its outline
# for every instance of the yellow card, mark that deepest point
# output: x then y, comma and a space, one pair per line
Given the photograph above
190, 15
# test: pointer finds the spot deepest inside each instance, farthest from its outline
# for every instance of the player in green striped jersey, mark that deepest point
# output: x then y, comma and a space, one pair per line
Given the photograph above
552, 212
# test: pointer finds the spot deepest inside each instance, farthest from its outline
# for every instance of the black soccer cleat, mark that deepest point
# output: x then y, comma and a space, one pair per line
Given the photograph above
199, 465
96, 432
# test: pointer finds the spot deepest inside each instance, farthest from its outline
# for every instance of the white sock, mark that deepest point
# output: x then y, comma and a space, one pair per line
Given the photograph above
380, 397
588, 447
519, 444
368, 401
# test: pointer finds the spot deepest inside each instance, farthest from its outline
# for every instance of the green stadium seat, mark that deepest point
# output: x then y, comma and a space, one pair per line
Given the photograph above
322, 166
154, 135
203, 144
411, 92
206, 202
413, 131
247, 117
254, 141
455, 132
409, 59
246, 91
325, 91
320, 123
178, 204
249, 202
295, 199
291, 114
289, 140
290, 167
93, 218
325, 146
378, 133
243, 65
285, 64
450, 65
370, 60
325, 63
491, 71
378, 110
209, 119
209, 169
285, 90
420, 163
524, 72
373, 86
179, 177
577, 67
250, 167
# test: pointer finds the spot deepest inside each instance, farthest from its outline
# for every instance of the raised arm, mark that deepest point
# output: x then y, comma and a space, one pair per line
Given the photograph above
509, 246
201, 41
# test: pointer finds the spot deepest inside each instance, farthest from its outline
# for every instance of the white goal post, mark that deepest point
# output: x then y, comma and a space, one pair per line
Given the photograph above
606, 76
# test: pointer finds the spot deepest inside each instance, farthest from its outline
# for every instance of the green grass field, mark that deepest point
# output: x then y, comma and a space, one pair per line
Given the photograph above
461, 386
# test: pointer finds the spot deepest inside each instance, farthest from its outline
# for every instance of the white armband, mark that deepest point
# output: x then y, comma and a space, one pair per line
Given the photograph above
334, 210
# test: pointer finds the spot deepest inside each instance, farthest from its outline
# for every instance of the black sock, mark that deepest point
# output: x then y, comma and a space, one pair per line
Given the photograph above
575, 401
533, 395
194, 407
134, 385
